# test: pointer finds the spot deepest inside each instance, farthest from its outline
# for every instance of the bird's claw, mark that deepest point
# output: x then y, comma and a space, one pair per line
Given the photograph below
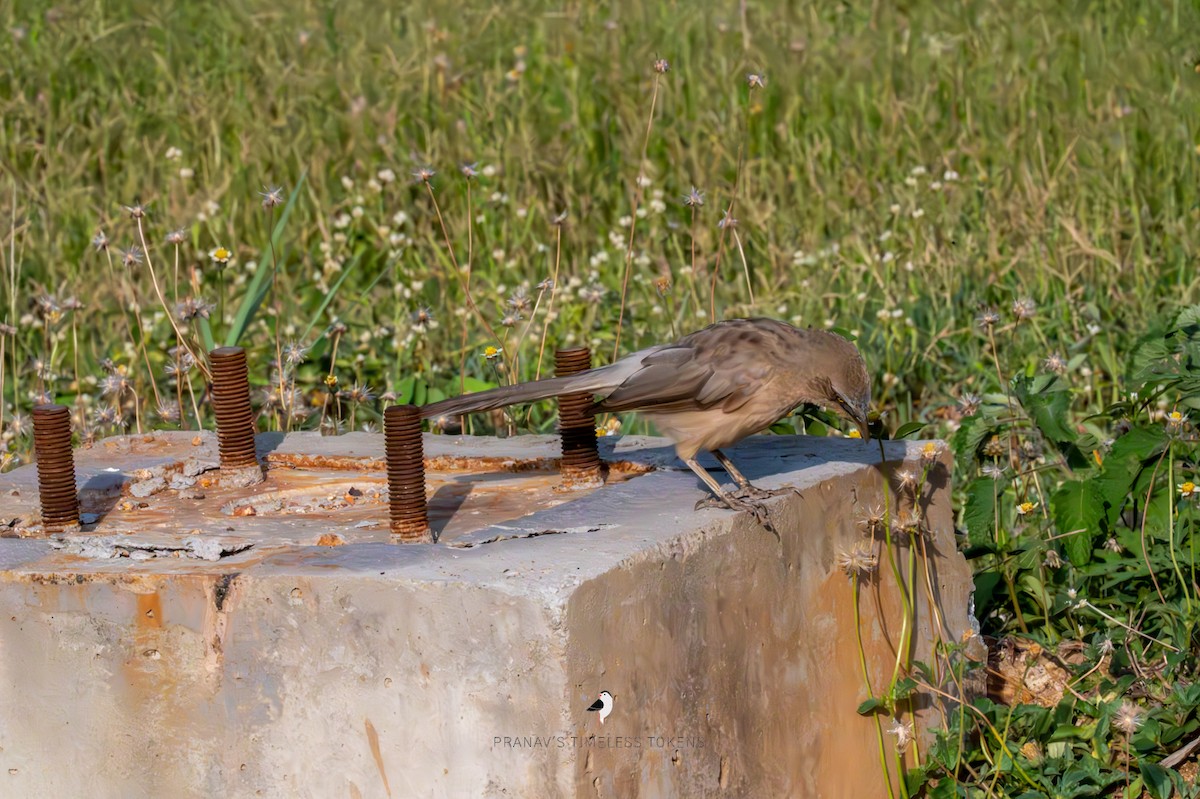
754, 492
734, 502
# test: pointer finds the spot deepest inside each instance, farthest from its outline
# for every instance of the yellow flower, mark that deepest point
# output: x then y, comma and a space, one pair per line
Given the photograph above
331, 380
1026, 507
491, 353
601, 432
1187, 489
931, 451
854, 434
220, 255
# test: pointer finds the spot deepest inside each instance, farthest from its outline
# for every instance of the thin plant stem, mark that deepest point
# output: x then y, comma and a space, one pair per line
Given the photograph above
162, 301
550, 305
862, 662
745, 266
454, 261
638, 190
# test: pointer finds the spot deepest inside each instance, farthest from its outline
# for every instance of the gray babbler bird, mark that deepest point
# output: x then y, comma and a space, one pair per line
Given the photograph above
711, 389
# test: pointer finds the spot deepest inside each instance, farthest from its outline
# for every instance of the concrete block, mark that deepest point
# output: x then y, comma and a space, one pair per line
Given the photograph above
212, 639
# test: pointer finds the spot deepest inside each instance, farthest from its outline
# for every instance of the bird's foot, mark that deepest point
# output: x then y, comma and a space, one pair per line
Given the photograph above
749, 491
734, 502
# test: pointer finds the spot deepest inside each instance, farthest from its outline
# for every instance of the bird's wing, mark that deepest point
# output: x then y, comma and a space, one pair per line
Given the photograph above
597, 705
690, 375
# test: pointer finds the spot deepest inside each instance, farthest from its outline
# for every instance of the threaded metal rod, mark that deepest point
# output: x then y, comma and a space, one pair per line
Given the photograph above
576, 422
55, 467
405, 454
231, 405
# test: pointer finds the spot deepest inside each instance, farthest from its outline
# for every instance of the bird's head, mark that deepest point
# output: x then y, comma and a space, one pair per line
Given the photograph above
844, 382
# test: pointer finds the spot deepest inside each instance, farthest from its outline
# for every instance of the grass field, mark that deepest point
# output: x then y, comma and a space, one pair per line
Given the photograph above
442, 180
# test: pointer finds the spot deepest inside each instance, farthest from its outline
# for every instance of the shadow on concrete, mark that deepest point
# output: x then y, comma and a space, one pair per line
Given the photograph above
100, 494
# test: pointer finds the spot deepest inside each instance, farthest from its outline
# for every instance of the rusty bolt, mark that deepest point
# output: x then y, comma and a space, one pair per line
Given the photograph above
576, 421
406, 474
55, 467
231, 404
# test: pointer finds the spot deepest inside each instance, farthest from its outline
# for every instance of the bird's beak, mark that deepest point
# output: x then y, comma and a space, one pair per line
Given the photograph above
864, 427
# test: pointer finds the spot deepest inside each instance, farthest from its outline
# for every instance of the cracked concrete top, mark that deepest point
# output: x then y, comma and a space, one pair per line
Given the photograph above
503, 519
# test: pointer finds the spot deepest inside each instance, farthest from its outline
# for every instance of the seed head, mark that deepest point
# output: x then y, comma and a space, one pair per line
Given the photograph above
337, 328
661, 66
424, 174
468, 171
106, 416
1053, 560
100, 241
1024, 309
907, 478
968, 403
1114, 546
694, 198
727, 221
177, 237
904, 735
1129, 718
132, 256
271, 197
559, 219
136, 211
987, 318
1055, 363
294, 353
193, 308
756, 81
859, 561
167, 412
113, 383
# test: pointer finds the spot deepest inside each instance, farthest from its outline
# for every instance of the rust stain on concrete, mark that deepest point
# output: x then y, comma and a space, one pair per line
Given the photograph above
377, 753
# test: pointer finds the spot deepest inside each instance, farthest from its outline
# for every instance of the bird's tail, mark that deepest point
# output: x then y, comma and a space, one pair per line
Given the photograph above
590, 380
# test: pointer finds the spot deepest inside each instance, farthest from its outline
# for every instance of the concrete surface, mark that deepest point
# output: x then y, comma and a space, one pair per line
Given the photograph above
174, 647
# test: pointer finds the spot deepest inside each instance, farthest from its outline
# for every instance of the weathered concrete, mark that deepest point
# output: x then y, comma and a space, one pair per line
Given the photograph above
131, 665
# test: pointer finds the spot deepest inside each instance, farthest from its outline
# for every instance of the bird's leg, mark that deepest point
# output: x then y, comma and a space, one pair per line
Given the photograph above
723, 499
746, 489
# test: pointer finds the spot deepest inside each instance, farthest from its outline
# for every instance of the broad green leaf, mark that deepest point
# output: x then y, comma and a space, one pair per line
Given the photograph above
870, 706
1122, 466
1158, 779
970, 434
908, 429
979, 513
1077, 513
1048, 409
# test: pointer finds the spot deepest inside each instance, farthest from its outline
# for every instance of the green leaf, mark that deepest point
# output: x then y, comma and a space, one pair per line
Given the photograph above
260, 283
903, 688
1158, 779
206, 335
970, 434
1125, 460
908, 429
1077, 513
870, 706
473, 384
1048, 409
329, 295
979, 513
